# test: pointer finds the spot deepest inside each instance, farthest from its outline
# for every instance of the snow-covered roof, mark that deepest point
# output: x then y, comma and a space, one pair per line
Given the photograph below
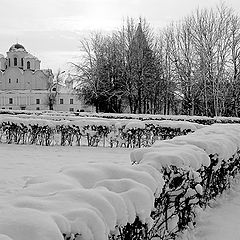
31, 56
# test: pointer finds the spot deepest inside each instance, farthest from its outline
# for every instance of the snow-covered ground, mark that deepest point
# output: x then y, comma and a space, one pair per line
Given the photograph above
20, 162
221, 220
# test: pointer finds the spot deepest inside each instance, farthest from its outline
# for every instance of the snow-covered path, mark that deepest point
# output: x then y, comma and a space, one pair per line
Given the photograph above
221, 221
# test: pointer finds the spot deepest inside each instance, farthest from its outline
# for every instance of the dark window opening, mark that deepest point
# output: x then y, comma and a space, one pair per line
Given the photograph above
10, 101
9, 80
22, 62
71, 101
28, 65
15, 61
17, 80
38, 108
71, 109
61, 100
54, 89
37, 101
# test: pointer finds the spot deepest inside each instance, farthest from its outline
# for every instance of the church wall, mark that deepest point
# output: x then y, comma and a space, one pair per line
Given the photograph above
66, 106
40, 80
2, 63
29, 79
38, 100
37, 65
19, 55
32, 63
12, 79
23, 100
1, 78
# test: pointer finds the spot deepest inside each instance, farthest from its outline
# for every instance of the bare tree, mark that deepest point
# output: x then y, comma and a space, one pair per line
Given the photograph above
191, 67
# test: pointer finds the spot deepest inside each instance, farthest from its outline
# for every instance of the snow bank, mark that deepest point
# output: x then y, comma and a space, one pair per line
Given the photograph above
88, 199
4, 237
26, 224
182, 125
100, 172
220, 140
135, 125
138, 197
164, 154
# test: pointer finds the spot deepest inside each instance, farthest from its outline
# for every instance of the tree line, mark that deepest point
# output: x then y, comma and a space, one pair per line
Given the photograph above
190, 67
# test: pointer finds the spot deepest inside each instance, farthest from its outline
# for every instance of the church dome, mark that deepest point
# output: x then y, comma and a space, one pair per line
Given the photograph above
17, 47
68, 79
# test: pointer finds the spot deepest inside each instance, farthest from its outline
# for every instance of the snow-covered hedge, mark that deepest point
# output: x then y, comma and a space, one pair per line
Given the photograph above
91, 131
156, 197
59, 115
197, 119
196, 168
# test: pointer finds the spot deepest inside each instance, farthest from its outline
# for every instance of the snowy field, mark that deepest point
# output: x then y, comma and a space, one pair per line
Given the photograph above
20, 162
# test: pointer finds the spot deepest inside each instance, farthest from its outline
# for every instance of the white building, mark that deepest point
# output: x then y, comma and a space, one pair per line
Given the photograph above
65, 97
23, 85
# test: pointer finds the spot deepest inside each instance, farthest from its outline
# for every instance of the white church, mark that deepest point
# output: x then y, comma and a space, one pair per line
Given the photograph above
24, 86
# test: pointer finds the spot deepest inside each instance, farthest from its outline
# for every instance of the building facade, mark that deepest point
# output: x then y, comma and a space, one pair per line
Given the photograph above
24, 86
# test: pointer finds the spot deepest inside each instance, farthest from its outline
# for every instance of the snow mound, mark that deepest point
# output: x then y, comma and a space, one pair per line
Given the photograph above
89, 199
66, 200
138, 197
135, 125
5, 237
26, 223
220, 140
165, 154
182, 125
154, 173
87, 175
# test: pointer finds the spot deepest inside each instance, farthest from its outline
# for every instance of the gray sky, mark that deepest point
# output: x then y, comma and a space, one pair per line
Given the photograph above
51, 29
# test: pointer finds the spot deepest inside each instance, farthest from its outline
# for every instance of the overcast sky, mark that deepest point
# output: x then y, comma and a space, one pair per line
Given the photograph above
51, 29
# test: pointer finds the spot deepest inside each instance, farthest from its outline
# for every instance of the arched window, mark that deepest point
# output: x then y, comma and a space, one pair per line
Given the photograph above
15, 61
28, 65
